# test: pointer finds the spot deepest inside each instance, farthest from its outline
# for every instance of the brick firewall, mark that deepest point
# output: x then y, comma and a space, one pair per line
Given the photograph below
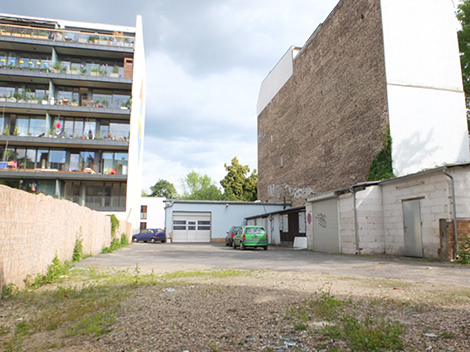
324, 127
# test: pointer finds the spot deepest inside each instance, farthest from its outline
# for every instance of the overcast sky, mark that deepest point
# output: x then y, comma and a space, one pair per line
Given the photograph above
205, 62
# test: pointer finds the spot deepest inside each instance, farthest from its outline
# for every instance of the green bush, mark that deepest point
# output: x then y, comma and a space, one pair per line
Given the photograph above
464, 252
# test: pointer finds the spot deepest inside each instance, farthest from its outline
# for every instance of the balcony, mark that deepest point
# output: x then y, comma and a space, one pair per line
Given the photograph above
115, 144
47, 69
64, 37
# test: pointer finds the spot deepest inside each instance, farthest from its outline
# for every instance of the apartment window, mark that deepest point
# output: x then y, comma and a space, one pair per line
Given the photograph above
143, 225
114, 161
143, 212
119, 130
30, 125
57, 159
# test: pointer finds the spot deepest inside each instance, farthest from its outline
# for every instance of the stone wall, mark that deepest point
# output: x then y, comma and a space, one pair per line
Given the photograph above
326, 124
34, 228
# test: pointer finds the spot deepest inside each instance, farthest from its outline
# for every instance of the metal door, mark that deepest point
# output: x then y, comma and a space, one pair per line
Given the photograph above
326, 226
412, 228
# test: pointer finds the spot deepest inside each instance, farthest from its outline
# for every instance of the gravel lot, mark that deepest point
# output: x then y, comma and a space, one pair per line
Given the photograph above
249, 311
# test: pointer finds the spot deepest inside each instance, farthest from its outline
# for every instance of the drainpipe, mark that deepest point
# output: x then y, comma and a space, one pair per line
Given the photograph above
454, 210
356, 226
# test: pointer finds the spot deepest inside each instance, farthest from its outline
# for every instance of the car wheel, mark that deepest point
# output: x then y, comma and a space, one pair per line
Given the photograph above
152, 240
265, 248
234, 245
226, 243
242, 246
134, 239
164, 241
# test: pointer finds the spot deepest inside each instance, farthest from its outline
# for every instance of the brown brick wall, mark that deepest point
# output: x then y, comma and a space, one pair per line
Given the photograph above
463, 232
328, 121
34, 228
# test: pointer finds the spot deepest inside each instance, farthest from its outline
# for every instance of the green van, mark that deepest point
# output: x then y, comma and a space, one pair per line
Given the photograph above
251, 236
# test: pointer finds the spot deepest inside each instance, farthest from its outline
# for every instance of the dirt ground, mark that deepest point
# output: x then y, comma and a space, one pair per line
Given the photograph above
250, 311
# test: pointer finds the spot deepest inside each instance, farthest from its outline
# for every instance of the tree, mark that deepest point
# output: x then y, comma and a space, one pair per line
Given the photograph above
463, 15
237, 184
164, 189
200, 187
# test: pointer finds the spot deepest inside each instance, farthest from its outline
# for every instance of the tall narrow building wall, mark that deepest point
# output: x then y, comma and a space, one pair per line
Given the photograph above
327, 123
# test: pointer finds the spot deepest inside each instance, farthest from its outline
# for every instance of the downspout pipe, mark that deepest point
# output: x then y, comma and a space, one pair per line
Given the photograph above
356, 225
454, 211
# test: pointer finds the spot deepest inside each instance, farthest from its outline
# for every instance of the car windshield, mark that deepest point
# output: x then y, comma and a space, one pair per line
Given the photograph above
254, 230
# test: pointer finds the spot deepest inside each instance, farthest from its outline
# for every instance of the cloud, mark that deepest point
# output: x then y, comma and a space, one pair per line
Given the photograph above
205, 62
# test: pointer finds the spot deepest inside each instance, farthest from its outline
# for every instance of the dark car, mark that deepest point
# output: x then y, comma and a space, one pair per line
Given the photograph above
150, 235
233, 231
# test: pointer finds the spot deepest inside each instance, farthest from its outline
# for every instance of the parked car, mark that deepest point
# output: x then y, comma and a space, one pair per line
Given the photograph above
233, 231
251, 236
150, 235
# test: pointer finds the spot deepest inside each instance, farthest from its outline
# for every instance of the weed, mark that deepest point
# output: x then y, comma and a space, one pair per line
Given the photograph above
447, 335
114, 224
136, 274
78, 248
213, 346
372, 333
54, 272
300, 326
4, 330
116, 244
16, 342
124, 240
8, 290
97, 324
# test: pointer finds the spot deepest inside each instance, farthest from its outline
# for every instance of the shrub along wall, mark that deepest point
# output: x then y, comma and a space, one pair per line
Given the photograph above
34, 228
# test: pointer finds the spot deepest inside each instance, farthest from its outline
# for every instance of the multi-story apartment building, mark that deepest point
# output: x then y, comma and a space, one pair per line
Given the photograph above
72, 111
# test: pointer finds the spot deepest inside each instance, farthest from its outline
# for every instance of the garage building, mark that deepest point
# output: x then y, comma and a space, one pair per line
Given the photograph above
209, 221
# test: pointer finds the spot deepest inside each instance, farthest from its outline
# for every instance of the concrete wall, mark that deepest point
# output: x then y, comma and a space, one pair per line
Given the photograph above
326, 124
137, 131
34, 228
155, 211
425, 97
433, 190
380, 213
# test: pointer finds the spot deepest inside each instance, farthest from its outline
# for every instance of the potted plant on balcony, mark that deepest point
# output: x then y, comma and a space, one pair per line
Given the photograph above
95, 71
83, 71
93, 38
74, 70
104, 41
57, 68
104, 102
115, 72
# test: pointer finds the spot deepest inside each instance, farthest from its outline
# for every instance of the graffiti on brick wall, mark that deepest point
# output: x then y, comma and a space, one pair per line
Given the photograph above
280, 191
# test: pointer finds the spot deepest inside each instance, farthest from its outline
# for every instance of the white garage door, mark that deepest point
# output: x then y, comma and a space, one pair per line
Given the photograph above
325, 226
191, 227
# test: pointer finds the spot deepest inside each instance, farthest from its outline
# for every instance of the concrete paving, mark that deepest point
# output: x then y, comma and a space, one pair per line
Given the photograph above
170, 257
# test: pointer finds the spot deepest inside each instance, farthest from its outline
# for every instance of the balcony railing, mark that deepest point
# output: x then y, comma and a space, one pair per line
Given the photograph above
100, 202
58, 35
49, 66
31, 98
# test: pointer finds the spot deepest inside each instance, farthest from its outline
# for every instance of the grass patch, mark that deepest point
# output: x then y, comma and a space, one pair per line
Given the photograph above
346, 322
